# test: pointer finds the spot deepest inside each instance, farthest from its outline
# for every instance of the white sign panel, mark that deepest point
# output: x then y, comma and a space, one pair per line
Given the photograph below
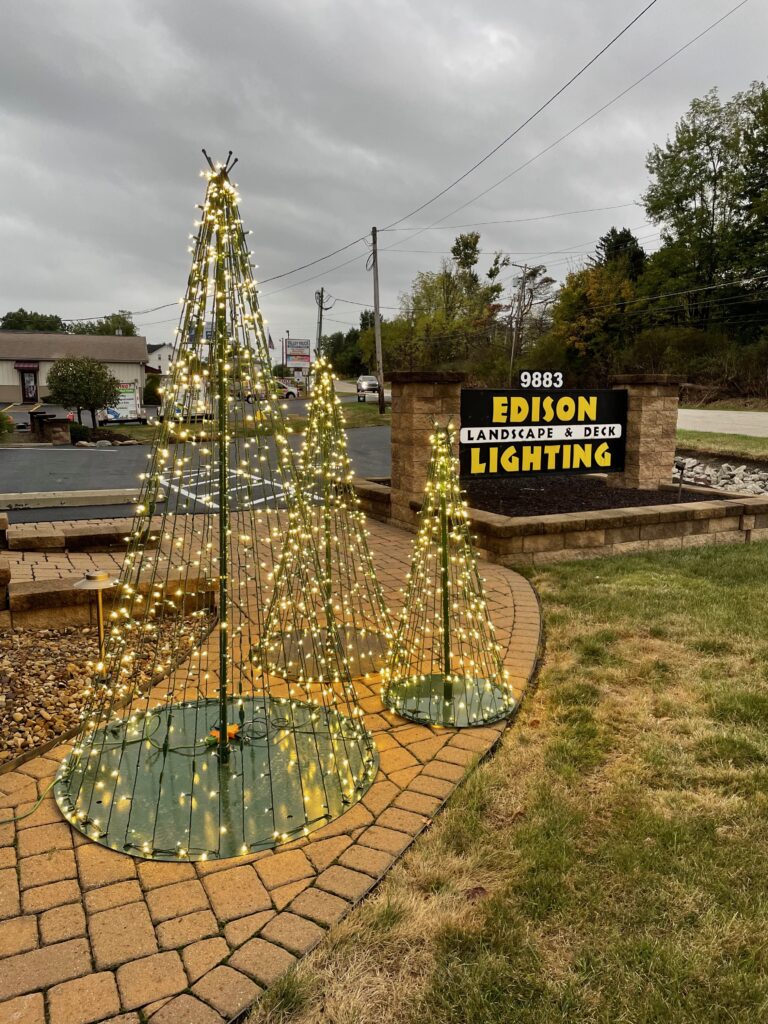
298, 352
127, 405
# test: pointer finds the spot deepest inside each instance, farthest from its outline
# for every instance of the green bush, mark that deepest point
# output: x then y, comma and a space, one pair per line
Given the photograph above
79, 433
151, 395
7, 426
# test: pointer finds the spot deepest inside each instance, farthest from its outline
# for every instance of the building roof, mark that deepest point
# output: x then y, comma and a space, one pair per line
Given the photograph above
160, 344
49, 345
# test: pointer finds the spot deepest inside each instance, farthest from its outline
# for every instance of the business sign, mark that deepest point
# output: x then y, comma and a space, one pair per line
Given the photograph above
297, 352
516, 433
127, 406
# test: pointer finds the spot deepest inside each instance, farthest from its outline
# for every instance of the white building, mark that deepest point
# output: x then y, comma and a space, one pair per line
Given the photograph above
161, 357
27, 356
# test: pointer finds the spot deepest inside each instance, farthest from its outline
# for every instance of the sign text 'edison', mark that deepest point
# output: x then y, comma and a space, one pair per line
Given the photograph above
513, 432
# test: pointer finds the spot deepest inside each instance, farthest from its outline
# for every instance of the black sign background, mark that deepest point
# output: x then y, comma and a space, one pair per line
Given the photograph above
513, 456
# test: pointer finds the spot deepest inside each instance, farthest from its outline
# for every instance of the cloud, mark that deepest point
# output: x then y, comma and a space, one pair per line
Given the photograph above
343, 114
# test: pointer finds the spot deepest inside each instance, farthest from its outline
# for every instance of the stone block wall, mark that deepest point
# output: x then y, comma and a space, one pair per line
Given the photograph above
652, 406
420, 400
537, 540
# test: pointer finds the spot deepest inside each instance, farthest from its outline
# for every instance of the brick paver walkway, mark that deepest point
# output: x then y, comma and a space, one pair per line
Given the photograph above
88, 934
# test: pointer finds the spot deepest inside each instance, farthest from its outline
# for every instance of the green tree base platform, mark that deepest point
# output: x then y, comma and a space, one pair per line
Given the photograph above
150, 780
454, 701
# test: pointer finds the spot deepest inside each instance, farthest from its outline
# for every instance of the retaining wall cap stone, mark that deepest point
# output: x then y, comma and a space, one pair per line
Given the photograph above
371, 489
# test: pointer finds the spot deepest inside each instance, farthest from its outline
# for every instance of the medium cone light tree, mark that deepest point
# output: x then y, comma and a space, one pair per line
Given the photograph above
445, 667
348, 596
188, 749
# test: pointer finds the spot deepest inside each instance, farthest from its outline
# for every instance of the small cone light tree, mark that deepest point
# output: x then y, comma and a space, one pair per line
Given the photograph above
445, 666
188, 749
349, 596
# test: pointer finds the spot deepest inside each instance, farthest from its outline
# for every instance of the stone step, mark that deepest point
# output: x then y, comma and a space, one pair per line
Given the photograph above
73, 536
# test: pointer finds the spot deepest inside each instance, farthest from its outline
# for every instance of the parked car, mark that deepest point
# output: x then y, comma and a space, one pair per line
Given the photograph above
286, 389
366, 385
283, 389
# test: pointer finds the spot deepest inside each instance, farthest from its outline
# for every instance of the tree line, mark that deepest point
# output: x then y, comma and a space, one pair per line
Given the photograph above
696, 306
27, 320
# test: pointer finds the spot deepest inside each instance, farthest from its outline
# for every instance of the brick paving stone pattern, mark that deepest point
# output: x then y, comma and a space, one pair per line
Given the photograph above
88, 934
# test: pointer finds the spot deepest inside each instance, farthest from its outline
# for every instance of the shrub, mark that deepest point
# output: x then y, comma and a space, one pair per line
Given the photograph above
7, 426
78, 432
151, 395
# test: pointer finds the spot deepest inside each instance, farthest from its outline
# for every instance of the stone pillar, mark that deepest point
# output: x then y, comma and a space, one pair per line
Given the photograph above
420, 399
652, 406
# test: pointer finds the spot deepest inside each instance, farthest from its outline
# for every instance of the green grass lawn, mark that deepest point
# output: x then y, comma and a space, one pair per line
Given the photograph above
609, 865
363, 414
366, 414
738, 446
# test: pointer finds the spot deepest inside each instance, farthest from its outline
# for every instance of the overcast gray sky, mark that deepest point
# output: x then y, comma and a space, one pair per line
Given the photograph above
344, 114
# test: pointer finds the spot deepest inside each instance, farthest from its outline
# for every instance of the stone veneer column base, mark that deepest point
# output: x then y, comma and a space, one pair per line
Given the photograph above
420, 399
651, 430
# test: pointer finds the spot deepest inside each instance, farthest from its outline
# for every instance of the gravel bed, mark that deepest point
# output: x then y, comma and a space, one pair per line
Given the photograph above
43, 675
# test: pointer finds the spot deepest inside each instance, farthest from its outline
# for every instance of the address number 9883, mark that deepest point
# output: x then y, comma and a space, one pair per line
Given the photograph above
540, 380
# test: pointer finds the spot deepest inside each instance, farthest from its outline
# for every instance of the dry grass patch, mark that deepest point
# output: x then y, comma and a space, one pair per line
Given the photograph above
610, 863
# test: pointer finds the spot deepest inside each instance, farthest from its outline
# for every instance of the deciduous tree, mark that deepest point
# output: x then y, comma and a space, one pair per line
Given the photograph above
82, 383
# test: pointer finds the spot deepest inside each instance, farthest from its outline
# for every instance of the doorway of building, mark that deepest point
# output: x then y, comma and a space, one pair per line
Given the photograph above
28, 385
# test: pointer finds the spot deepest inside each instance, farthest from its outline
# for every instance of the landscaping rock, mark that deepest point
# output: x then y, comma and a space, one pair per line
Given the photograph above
44, 676
721, 475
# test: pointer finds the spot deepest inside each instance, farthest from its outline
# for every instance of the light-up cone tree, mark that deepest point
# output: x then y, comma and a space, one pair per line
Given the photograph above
445, 666
349, 595
188, 750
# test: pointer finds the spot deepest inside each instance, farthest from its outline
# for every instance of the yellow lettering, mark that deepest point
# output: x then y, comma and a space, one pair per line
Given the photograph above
603, 455
493, 456
549, 413
566, 408
475, 465
552, 451
518, 410
587, 408
509, 460
582, 455
500, 408
531, 458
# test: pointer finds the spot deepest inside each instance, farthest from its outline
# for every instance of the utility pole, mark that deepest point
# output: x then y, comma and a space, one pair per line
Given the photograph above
377, 318
517, 332
322, 306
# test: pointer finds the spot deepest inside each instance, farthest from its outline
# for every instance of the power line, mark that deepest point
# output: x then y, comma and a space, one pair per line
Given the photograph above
514, 220
312, 263
125, 312
685, 291
528, 120
506, 177
355, 302
586, 120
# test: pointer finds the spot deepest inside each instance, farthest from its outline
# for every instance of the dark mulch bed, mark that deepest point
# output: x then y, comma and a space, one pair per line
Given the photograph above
563, 492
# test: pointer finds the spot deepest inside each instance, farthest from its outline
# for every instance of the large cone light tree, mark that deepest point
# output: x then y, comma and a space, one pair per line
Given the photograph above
345, 619
446, 666
189, 748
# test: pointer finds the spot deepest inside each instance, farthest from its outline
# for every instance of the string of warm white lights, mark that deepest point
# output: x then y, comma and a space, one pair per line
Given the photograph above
188, 749
445, 666
348, 593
